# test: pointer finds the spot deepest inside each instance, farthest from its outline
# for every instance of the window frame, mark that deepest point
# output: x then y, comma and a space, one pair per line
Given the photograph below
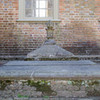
22, 12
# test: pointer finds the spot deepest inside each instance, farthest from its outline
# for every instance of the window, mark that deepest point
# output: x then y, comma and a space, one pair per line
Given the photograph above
38, 9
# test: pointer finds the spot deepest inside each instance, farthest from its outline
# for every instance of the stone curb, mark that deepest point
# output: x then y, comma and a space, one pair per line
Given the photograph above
61, 98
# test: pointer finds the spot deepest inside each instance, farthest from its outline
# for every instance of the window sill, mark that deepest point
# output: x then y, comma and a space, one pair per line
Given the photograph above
38, 20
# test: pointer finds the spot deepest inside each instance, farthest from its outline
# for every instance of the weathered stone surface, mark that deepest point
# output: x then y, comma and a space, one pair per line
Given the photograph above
82, 88
21, 98
72, 88
49, 51
55, 98
85, 99
64, 93
6, 98
50, 42
29, 88
79, 94
97, 87
47, 63
23, 94
36, 98
61, 69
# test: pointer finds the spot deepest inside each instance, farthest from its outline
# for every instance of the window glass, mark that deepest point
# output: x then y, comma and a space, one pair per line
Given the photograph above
42, 13
38, 8
42, 4
28, 13
28, 4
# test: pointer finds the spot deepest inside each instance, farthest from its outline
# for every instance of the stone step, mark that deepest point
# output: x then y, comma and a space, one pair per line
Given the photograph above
96, 98
41, 63
50, 69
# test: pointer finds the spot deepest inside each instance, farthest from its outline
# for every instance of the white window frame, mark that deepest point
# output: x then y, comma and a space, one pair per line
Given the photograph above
22, 13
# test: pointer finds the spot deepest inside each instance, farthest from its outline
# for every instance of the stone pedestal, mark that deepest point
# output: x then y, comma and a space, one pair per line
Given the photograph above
49, 49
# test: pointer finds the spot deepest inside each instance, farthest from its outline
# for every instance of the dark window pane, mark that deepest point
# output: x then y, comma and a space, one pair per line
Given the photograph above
28, 3
28, 13
39, 8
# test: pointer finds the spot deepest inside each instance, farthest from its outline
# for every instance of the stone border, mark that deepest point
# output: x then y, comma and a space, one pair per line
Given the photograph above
50, 89
80, 57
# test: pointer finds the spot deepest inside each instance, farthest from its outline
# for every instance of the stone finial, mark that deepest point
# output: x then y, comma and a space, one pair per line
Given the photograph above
49, 49
49, 23
50, 30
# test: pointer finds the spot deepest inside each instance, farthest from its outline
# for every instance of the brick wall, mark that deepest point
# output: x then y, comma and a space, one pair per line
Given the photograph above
77, 32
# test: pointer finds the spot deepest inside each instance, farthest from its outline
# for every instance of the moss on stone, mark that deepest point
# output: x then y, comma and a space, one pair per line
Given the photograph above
94, 82
85, 82
29, 59
4, 83
59, 59
77, 82
93, 93
43, 86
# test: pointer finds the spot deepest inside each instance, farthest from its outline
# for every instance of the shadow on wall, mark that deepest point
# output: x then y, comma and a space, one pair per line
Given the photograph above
15, 42
84, 48
8, 40
81, 38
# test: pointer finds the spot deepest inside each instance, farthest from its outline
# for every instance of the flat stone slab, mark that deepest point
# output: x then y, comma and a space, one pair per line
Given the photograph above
60, 98
47, 63
50, 69
52, 98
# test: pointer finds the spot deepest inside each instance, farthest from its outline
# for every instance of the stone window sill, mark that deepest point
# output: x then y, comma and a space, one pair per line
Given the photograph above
38, 20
